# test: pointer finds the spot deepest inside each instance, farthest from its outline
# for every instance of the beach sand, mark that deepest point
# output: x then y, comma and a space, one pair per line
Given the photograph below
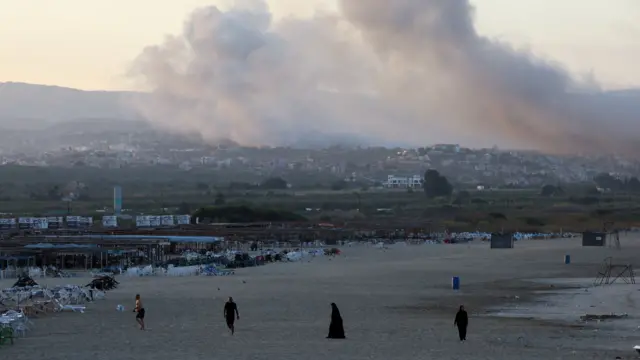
396, 304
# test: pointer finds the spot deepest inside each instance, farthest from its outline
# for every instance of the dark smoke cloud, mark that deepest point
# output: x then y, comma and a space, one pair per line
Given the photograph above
406, 72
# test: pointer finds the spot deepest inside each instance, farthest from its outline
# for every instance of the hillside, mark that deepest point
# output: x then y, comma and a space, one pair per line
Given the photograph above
27, 106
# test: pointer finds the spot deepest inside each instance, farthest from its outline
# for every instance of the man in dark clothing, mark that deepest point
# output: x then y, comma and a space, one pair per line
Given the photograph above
461, 321
231, 314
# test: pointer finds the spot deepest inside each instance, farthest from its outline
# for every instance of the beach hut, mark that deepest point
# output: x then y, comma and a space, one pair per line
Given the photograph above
594, 238
502, 241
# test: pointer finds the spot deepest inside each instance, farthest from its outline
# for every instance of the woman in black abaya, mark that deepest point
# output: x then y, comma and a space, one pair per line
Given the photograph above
461, 321
336, 330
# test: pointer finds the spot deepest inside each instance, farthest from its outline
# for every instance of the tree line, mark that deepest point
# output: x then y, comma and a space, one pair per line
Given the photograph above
612, 183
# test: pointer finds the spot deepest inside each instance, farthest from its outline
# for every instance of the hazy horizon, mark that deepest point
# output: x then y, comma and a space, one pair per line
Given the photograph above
89, 45
531, 75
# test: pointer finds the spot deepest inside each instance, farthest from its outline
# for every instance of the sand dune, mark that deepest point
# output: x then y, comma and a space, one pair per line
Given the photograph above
396, 304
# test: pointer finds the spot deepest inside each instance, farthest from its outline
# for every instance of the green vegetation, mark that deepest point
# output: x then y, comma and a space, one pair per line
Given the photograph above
237, 214
237, 197
436, 185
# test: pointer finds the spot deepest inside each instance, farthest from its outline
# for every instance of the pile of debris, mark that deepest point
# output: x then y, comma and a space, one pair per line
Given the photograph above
103, 283
591, 317
60, 273
332, 252
24, 281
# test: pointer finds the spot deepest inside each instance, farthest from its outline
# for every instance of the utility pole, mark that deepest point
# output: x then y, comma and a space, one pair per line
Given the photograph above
68, 201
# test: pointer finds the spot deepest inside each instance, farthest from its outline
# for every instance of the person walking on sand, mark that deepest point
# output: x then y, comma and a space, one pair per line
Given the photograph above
139, 310
231, 314
461, 321
336, 328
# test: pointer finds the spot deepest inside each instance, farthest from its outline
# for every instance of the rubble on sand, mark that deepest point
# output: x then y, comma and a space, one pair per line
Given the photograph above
25, 281
590, 317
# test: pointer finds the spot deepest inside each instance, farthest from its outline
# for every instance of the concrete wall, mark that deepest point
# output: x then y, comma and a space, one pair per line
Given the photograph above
594, 239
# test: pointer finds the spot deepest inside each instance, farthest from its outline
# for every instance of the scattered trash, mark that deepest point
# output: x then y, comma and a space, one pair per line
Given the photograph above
589, 317
332, 252
25, 281
103, 283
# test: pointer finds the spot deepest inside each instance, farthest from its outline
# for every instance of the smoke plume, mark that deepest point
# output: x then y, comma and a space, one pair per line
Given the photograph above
408, 72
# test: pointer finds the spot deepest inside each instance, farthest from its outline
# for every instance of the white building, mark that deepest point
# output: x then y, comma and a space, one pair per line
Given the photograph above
351, 178
393, 181
206, 160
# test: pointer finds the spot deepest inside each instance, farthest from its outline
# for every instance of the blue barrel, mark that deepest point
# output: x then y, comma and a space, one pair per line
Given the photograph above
567, 259
455, 283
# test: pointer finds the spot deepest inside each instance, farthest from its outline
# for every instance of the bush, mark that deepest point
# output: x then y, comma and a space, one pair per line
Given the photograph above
497, 216
436, 185
587, 200
339, 185
274, 183
478, 201
532, 221
245, 214
550, 190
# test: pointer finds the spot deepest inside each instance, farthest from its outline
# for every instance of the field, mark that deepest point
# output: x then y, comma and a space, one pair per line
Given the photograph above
156, 190
396, 304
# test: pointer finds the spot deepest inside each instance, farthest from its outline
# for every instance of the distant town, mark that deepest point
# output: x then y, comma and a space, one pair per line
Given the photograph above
136, 145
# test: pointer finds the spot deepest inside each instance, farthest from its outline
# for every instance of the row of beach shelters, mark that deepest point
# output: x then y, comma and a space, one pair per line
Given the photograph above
91, 249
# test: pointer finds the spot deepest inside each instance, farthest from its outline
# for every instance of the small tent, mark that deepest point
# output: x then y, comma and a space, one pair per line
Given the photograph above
594, 238
502, 241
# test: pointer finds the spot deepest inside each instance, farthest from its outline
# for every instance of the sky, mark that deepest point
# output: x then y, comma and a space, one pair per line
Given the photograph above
90, 44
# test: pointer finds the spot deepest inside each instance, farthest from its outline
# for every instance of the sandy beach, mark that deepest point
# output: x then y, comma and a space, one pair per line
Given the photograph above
396, 304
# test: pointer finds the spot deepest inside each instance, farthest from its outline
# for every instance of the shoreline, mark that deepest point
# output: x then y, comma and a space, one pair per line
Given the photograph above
571, 299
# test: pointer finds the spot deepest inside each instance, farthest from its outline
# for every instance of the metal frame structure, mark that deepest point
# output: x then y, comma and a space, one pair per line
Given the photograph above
609, 273
155, 248
613, 236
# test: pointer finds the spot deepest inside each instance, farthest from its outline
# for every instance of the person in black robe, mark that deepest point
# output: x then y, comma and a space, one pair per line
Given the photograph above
461, 321
231, 314
336, 329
